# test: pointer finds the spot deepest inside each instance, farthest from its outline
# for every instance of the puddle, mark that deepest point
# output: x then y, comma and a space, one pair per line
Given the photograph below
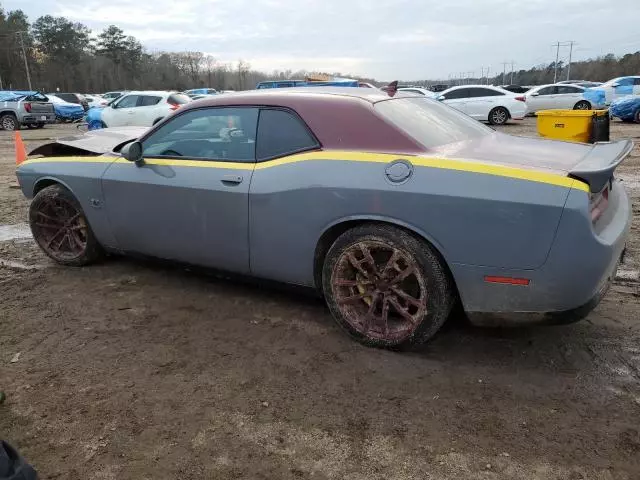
14, 232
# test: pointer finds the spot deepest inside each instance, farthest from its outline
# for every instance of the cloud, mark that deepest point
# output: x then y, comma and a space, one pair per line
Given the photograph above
406, 39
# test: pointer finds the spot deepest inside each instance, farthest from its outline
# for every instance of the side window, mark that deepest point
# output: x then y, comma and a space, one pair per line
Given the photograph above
459, 93
223, 134
625, 82
148, 100
484, 92
568, 89
281, 133
547, 90
636, 81
128, 101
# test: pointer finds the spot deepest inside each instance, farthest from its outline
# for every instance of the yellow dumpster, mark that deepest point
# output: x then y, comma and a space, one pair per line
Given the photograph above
574, 125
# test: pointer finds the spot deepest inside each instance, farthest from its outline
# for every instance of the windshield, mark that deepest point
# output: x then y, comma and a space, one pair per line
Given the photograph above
430, 122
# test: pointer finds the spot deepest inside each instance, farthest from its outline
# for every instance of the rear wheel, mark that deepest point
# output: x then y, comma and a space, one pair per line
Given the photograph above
8, 121
385, 287
582, 105
60, 228
498, 116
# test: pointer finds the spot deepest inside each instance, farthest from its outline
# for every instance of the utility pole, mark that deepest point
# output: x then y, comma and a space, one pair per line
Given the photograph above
512, 64
504, 72
555, 65
24, 56
570, 52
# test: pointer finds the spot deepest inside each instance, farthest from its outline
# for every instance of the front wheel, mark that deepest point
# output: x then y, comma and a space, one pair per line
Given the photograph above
60, 228
498, 116
386, 287
636, 116
582, 105
9, 122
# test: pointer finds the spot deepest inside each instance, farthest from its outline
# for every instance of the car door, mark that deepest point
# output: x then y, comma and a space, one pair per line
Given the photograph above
568, 96
188, 199
120, 111
623, 86
456, 98
545, 98
146, 111
481, 101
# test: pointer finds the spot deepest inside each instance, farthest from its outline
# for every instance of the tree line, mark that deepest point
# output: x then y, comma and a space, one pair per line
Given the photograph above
65, 55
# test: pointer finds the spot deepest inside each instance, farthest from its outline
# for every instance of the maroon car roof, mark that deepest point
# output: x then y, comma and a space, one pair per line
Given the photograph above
342, 118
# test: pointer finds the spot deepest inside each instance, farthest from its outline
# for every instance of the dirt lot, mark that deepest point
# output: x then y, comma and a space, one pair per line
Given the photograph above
131, 370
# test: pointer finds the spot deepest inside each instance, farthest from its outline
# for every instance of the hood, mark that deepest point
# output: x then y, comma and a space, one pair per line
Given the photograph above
95, 142
519, 152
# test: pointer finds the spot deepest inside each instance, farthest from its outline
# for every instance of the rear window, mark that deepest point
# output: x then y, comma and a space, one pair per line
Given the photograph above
178, 98
430, 122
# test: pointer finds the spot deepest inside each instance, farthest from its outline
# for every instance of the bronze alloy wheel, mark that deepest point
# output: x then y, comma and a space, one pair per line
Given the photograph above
385, 286
60, 227
379, 290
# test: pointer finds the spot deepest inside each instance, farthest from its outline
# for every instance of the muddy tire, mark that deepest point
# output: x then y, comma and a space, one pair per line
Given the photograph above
386, 287
9, 122
499, 116
61, 229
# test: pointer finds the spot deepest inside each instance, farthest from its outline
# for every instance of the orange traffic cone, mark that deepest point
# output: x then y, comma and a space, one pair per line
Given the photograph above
21, 151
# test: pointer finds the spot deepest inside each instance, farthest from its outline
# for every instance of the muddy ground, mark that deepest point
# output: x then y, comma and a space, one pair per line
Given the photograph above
133, 370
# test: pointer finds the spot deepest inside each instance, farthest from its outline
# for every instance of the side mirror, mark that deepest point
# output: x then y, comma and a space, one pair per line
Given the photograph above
534, 94
442, 97
133, 152
614, 85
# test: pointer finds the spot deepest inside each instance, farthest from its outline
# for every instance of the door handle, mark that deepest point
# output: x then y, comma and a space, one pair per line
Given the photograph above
232, 179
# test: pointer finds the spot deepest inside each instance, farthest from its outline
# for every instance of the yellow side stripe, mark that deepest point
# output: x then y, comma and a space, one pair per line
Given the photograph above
350, 156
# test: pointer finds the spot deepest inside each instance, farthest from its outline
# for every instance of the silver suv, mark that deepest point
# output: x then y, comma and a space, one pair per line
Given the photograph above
25, 108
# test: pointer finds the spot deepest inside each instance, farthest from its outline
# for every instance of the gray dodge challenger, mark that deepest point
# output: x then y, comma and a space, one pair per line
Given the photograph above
395, 207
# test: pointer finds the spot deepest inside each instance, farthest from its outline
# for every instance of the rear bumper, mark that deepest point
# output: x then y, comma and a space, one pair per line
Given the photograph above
38, 118
576, 275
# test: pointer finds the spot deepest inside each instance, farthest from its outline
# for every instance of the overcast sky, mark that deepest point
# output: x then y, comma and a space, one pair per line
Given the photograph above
385, 39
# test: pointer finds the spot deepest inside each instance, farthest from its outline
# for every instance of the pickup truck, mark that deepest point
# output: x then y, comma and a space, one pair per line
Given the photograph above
32, 109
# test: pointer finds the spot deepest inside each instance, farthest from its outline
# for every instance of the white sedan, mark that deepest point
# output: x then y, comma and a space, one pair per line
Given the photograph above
142, 109
419, 90
562, 96
486, 103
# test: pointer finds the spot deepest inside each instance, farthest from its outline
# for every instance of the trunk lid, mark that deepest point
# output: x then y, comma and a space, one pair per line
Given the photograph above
592, 164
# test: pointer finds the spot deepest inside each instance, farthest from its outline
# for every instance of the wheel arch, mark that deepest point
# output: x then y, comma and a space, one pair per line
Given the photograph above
338, 227
44, 182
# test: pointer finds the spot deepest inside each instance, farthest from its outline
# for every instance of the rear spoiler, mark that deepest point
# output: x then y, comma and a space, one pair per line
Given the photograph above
597, 167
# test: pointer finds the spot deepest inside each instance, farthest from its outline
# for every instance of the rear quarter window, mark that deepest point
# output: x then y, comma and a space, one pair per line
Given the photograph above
280, 133
148, 100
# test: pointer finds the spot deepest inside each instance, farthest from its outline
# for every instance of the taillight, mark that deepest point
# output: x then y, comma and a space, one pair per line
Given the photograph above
174, 106
27, 107
599, 203
521, 98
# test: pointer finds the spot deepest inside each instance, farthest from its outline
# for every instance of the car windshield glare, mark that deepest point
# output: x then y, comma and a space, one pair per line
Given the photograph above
430, 122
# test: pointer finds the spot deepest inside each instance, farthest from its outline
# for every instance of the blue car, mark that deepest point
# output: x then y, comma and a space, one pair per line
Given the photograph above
626, 109
328, 82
